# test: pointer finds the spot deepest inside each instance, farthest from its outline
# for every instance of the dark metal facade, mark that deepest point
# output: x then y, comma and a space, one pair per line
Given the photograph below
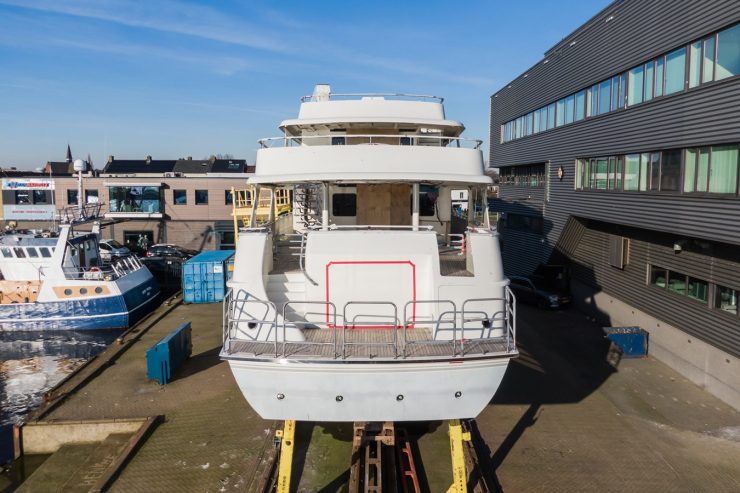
623, 35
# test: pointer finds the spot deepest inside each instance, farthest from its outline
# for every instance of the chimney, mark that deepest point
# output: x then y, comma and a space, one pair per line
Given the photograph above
148, 159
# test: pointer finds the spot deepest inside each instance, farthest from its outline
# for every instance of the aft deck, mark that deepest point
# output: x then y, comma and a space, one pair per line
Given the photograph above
371, 344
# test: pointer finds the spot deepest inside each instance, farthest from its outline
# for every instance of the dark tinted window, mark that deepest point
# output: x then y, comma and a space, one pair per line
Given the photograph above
201, 197
344, 204
179, 197
670, 171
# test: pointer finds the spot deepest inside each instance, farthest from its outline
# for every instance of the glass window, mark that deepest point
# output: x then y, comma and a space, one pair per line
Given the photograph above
345, 204
601, 173
569, 108
560, 113
19, 252
335, 141
201, 197
728, 53
71, 196
654, 159
580, 105
580, 164
635, 86
615, 92
698, 290
179, 197
135, 199
689, 171
6, 252
708, 68
44, 252
32, 253
622, 88
529, 124
40, 197
659, 77
632, 172
677, 282
670, 171
228, 197
675, 68
658, 276
91, 197
702, 175
536, 123
591, 100
649, 73
723, 169
22, 197
618, 177
551, 116
694, 64
726, 299
605, 96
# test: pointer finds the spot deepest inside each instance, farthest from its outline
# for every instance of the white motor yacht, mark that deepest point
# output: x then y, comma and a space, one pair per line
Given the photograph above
371, 301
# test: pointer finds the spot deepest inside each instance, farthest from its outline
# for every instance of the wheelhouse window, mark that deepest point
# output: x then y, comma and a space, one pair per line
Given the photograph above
44, 251
7, 253
428, 196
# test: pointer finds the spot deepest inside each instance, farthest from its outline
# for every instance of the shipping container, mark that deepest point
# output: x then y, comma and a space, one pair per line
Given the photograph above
204, 276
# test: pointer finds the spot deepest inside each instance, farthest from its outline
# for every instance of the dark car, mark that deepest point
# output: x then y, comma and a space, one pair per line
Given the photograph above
536, 291
166, 250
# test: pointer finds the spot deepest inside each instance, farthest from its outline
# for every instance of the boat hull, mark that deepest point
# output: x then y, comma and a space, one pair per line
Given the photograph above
382, 391
136, 300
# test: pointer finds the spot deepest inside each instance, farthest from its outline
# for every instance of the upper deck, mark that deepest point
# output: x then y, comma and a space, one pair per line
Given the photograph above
370, 137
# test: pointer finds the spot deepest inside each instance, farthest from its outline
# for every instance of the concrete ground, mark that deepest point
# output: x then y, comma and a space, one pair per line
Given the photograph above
564, 419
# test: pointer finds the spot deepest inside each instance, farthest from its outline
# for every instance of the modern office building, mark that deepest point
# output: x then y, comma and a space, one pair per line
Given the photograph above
186, 202
618, 156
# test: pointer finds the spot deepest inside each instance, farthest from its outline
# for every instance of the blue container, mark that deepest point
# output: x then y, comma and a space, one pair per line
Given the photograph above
169, 354
204, 276
633, 341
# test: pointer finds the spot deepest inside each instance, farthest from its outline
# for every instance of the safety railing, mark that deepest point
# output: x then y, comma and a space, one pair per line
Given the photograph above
370, 139
456, 332
122, 266
389, 95
74, 214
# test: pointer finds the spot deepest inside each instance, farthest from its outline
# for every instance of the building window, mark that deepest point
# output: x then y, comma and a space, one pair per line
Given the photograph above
679, 283
670, 171
725, 299
728, 53
523, 176
91, 197
179, 197
138, 241
139, 199
23, 197
522, 222
71, 196
635, 86
40, 197
649, 79
698, 290
201, 197
711, 170
229, 198
675, 71
344, 204
695, 64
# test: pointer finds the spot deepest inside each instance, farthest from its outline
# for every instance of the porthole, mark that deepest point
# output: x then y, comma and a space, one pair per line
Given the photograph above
68, 292
98, 290
83, 290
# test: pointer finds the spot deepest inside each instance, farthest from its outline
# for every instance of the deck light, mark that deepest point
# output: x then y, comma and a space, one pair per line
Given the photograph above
458, 394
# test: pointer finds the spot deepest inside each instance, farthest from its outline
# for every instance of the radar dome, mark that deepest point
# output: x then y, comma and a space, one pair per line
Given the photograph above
79, 165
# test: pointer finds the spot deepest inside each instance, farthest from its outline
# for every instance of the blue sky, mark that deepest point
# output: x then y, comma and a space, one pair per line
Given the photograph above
175, 78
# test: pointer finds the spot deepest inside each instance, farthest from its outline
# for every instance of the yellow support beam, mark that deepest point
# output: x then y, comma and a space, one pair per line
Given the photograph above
457, 453
285, 466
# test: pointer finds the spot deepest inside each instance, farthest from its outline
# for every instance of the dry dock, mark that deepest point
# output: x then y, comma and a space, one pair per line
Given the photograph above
564, 420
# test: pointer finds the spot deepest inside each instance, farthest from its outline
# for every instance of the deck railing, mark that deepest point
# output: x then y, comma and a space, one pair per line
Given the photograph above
389, 95
257, 321
370, 139
120, 267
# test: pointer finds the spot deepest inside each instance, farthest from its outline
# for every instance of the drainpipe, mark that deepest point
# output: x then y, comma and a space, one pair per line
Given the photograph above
415, 207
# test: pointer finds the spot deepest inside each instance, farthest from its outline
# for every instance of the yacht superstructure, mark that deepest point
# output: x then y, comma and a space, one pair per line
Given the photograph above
378, 304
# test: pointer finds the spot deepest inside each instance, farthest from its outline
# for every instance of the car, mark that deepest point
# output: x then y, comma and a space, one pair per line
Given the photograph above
168, 250
534, 290
111, 249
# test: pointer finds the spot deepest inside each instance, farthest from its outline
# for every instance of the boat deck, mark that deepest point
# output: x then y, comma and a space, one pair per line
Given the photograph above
372, 344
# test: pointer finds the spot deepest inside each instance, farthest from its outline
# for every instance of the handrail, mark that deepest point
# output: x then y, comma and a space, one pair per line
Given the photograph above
332, 324
370, 139
350, 95
400, 227
437, 321
395, 327
301, 256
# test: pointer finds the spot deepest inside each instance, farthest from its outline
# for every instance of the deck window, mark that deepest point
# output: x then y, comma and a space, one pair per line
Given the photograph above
32, 253
19, 252
725, 299
45, 253
344, 204
7, 253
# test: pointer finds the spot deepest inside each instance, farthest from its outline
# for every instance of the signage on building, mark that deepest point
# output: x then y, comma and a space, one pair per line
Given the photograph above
27, 184
29, 212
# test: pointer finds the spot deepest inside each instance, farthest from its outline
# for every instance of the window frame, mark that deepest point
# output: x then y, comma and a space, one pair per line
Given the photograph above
174, 196
200, 201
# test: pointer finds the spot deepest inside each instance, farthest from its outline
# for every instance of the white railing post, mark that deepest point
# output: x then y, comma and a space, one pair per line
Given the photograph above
325, 207
415, 208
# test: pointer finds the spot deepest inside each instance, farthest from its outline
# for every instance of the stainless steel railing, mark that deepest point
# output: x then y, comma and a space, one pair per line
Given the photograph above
107, 272
413, 140
245, 319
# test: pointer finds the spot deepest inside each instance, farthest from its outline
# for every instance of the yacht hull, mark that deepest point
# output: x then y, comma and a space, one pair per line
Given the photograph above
361, 391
